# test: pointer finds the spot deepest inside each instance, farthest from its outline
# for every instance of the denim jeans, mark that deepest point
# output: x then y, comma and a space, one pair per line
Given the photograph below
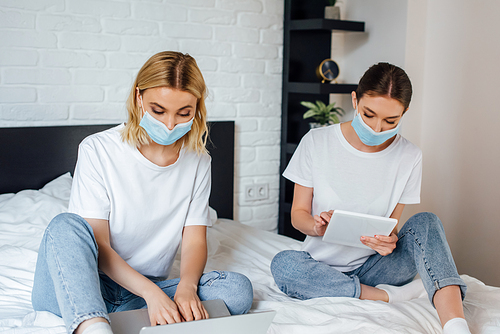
422, 248
69, 284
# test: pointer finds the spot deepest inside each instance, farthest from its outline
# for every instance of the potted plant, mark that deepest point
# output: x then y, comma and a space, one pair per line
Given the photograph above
322, 113
331, 11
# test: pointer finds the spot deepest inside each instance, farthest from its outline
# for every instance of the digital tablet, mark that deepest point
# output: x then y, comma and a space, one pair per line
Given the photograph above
346, 228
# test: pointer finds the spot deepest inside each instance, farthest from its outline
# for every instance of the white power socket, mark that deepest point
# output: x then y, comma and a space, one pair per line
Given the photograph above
255, 192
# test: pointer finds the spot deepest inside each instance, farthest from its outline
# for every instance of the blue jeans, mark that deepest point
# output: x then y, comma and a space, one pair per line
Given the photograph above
422, 248
69, 284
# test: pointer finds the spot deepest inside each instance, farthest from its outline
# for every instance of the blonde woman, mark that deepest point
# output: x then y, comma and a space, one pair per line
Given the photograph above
139, 189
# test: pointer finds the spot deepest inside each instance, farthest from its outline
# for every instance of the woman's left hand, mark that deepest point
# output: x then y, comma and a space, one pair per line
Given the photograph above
189, 303
381, 244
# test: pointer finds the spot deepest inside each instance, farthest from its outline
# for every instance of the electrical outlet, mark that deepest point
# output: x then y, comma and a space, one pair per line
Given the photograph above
255, 192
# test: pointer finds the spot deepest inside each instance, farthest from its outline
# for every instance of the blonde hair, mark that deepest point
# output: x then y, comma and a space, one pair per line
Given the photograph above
173, 70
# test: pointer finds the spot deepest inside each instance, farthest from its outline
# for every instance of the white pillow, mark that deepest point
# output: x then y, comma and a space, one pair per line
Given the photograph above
25, 215
59, 188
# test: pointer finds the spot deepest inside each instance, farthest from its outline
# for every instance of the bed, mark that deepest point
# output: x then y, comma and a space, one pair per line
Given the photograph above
35, 182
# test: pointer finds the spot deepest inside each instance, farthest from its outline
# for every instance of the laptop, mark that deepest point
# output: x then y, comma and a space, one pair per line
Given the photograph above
220, 322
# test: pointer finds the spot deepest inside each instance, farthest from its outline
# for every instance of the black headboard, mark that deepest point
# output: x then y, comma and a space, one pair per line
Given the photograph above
30, 157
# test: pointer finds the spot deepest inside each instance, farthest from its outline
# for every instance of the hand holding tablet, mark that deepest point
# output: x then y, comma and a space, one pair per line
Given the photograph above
346, 228
321, 222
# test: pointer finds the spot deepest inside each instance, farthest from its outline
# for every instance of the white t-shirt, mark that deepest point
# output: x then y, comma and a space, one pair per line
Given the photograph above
345, 178
147, 205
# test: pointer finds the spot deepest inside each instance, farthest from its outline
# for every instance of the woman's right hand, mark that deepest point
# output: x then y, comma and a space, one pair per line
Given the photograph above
321, 222
302, 217
161, 309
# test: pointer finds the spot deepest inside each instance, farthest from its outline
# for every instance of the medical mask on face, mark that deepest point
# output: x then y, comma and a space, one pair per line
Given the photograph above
367, 135
159, 132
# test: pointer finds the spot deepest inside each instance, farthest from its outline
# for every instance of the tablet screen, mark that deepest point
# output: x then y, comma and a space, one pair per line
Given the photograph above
346, 228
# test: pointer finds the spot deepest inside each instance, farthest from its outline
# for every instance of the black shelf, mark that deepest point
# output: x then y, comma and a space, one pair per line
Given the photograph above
319, 88
290, 148
307, 41
326, 24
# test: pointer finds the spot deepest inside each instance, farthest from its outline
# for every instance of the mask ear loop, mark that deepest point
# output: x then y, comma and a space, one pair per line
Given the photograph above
356, 111
142, 105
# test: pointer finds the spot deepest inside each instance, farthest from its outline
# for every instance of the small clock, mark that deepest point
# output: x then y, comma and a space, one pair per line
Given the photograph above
328, 70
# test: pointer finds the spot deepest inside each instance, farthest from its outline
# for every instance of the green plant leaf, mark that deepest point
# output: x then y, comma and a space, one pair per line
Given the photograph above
339, 111
321, 105
321, 112
335, 119
309, 113
311, 106
330, 107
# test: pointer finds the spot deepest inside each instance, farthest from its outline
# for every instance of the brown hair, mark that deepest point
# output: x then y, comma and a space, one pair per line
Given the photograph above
384, 79
174, 70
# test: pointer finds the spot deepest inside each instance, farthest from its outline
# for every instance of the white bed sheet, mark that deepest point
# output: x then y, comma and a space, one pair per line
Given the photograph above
232, 246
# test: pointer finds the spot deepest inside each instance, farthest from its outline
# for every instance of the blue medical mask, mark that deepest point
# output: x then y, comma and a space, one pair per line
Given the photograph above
367, 135
159, 132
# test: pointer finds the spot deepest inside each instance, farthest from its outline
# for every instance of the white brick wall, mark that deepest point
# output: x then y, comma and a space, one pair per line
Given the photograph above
73, 61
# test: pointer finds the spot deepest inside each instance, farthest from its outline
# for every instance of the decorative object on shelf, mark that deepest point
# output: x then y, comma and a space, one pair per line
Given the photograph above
332, 12
328, 70
322, 113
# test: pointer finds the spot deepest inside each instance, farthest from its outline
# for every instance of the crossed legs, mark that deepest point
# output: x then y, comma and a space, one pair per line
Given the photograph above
422, 248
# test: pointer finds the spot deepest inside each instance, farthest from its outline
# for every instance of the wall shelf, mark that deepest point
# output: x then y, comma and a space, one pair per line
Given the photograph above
326, 24
319, 88
307, 41
290, 148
